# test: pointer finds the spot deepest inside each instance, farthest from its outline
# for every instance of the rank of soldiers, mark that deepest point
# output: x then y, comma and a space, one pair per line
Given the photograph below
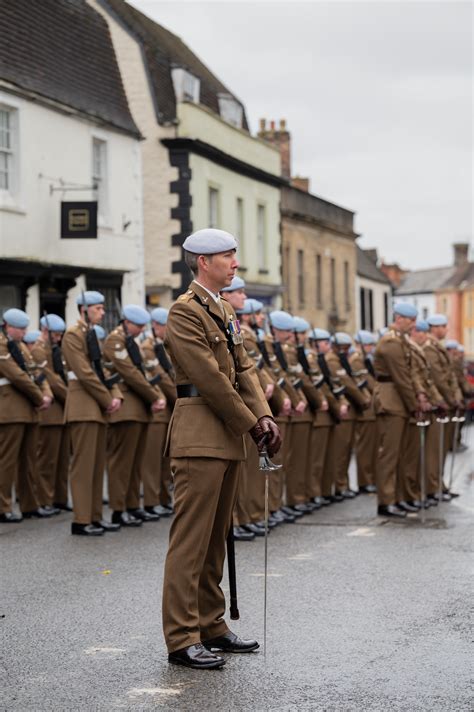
76, 403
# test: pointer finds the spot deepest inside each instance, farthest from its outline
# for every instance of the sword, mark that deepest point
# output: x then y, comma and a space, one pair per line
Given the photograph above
266, 466
457, 420
234, 610
423, 424
442, 422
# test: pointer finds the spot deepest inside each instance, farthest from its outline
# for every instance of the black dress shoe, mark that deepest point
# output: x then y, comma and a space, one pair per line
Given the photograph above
107, 526
346, 494
278, 516
368, 489
431, 501
292, 512
326, 501
317, 502
390, 510
140, 513
40, 513
312, 506
415, 503
407, 507
196, 656
303, 508
286, 518
161, 510
241, 535
231, 643
337, 497
453, 494
62, 507
51, 510
10, 518
445, 497
254, 529
125, 519
86, 529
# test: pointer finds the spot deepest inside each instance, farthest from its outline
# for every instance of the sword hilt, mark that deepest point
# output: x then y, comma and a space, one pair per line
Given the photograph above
442, 421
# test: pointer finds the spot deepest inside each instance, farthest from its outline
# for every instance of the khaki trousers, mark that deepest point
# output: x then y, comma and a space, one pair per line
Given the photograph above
432, 456
18, 465
318, 452
249, 491
366, 451
88, 442
277, 478
125, 448
297, 461
193, 602
408, 480
327, 475
391, 434
53, 464
155, 470
340, 450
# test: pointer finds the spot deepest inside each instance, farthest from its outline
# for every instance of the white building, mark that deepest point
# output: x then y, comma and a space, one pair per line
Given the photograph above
66, 134
373, 293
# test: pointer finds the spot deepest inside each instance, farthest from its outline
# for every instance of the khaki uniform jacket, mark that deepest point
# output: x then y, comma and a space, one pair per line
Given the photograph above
463, 383
43, 356
393, 360
322, 418
166, 384
87, 397
353, 394
297, 376
137, 393
21, 396
265, 374
286, 390
442, 370
357, 363
231, 399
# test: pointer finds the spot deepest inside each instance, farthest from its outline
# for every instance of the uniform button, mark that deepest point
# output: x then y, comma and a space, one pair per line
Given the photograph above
216, 338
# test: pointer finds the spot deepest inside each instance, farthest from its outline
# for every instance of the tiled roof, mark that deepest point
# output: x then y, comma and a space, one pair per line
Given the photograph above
425, 281
163, 50
366, 267
462, 277
62, 50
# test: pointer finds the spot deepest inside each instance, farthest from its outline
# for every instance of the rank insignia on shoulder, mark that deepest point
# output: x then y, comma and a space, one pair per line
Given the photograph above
235, 332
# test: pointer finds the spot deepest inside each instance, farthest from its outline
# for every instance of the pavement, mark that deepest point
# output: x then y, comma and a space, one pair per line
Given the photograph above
363, 614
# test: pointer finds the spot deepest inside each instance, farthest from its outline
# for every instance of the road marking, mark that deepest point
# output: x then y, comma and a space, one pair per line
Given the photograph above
362, 531
152, 691
300, 557
103, 649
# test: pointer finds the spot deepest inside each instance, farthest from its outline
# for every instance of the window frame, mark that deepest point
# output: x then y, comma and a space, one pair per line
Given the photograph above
101, 193
261, 237
300, 277
11, 152
211, 191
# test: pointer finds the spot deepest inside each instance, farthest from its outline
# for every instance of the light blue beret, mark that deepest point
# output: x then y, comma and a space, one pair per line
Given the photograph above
364, 337
160, 315
237, 283
32, 336
137, 315
16, 318
319, 335
340, 338
437, 320
451, 344
300, 325
251, 306
100, 331
422, 325
52, 322
281, 320
406, 310
209, 242
90, 298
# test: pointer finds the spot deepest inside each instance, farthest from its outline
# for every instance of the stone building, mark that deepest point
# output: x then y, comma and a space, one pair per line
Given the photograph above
373, 292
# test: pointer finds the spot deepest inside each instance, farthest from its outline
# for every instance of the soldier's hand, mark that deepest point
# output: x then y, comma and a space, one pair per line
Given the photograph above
343, 411
324, 406
286, 410
266, 434
114, 406
269, 391
46, 402
159, 404
301, 407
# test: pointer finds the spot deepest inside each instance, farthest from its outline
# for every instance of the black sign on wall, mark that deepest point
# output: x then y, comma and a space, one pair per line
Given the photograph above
79, 220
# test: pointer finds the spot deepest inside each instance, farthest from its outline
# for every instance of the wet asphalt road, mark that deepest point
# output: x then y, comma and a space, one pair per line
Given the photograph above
364, 614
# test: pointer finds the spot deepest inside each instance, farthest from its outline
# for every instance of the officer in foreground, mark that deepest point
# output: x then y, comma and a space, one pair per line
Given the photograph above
219, 400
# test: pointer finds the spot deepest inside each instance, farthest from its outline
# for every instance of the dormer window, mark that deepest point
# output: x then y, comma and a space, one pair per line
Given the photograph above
186, 85
230, 110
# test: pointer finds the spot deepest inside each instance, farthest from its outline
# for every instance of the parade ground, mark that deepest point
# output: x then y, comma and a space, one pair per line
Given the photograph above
363, 614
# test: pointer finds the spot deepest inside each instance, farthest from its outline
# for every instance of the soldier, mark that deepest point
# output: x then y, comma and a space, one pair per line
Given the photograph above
361, 362
219, 400
394, 402
53, 440
457, 357
90, 398
24, 391
127, 430
156, 472
358, 398
30, 339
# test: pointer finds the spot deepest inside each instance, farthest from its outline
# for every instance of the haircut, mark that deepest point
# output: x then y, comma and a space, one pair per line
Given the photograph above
191, 260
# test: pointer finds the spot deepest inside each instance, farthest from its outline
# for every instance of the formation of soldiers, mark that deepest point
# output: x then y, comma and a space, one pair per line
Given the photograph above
75, 404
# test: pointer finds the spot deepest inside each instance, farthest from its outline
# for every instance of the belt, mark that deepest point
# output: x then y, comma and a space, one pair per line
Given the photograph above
72, 376
384, 379
4, 382
187, 390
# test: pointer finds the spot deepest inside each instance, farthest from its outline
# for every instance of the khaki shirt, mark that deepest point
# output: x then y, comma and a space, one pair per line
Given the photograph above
42, 353
322, 418
393, 361
442, 370
356, 399
359, 369
166, 384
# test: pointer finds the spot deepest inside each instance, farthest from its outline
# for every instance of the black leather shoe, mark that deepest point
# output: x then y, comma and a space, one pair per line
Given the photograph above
312, 506
125, 519
286, 518
196, 656
452, 494
161, 510
415, 503
303, 508
253, 529
431, 501
326, 501
337, 497
51, 510
86, 529
292, 512
10, 518
231, 643
390, 510
107, 526
407, 507
316, 501
368, 489
346, 494
62, 507
278, 516
143, 515
40, 513
241, 535
445, 497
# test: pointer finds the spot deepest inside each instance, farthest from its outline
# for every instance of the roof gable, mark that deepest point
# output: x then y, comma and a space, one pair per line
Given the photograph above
425, 280
367, 268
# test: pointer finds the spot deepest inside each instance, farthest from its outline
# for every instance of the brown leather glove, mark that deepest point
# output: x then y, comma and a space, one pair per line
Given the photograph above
266, 434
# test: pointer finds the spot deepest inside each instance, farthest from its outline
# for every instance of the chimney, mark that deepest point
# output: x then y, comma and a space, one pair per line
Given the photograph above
461, 253
280, 138
301, 183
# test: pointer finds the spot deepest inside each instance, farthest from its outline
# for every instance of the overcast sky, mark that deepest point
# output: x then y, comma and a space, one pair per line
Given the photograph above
378, 99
